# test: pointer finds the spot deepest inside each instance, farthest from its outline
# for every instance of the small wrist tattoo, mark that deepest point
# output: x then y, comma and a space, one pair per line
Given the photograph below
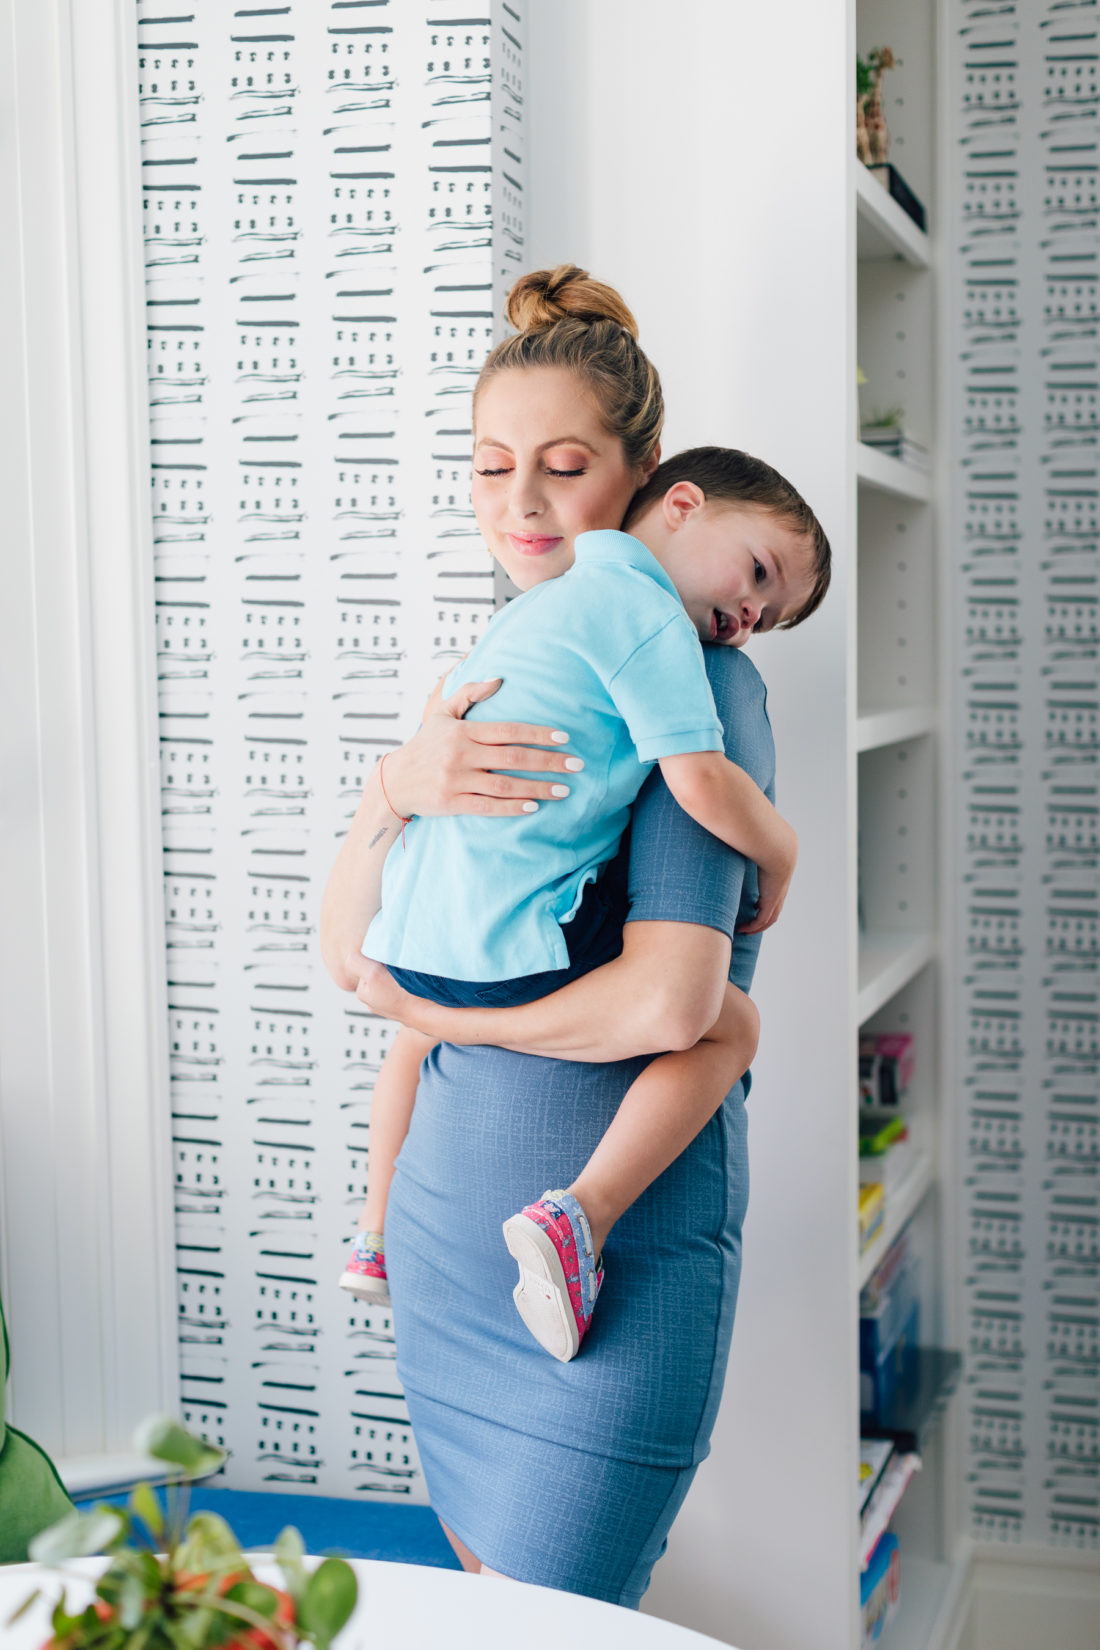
377, 837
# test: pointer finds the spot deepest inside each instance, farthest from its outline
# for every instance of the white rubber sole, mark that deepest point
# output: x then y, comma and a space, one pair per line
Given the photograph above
375, 1291
542, 1294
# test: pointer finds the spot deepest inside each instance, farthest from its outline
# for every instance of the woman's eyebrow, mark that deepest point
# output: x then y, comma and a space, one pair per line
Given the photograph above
558, 441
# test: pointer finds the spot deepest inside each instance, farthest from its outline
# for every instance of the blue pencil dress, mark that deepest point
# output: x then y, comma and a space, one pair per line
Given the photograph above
570, 1475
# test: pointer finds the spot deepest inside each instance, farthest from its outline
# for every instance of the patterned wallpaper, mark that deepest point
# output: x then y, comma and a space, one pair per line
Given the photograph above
1027, 418
333, 210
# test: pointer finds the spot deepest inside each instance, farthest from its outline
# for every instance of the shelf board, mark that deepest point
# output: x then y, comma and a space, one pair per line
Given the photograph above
929, 1593
888, 961
901, 1206
877, 728
883, 230
889, 475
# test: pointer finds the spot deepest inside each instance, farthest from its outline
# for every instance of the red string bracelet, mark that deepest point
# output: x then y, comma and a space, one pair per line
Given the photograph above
405, 820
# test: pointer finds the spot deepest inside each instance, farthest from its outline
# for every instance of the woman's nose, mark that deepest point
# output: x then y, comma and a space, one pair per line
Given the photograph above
750, 613
527, 497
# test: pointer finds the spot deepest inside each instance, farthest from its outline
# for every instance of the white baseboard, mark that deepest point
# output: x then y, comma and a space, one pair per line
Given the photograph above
1029, 1598
84, 1475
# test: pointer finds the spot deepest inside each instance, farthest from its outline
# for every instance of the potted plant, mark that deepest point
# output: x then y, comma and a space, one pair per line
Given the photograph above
180, 1583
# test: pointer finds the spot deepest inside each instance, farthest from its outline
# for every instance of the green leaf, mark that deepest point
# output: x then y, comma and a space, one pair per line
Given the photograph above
328, 1600
165, 1440
209, 1545
289, 1551
254, 1596
144, 1505
201, 1628
78, 1535
132, 1600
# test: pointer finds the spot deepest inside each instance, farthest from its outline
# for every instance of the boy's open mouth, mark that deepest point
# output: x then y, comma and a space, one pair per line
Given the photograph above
722, 625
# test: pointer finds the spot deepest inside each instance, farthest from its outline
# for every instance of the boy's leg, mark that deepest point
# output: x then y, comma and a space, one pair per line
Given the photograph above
390, 1115
364, 1273
662, 1112
557, 1241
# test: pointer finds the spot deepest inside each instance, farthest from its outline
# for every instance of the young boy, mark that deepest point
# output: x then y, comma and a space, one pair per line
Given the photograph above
611, 649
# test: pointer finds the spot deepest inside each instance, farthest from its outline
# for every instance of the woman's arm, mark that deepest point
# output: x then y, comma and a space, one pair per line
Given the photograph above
446, 768
664, 992
723, 798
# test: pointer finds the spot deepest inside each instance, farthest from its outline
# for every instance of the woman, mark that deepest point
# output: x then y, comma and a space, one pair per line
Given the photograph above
567, 1475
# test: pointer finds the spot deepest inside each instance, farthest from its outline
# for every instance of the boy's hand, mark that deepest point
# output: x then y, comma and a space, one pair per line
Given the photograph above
774, 883
773, 893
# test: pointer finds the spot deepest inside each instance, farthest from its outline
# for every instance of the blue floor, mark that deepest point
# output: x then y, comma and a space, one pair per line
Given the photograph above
405, 1535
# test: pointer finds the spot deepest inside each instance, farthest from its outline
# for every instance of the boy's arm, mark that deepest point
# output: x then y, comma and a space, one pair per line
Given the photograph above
664, 992
723, 799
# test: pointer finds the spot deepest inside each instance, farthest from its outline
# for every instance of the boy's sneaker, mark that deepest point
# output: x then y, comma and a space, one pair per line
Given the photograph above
559, 1278
365, 1272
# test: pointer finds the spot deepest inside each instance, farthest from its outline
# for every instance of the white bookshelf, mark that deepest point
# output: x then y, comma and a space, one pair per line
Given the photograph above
884, 474
883, 230
764, 264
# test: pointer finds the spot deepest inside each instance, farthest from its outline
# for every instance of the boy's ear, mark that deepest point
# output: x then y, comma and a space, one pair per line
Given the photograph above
681, 502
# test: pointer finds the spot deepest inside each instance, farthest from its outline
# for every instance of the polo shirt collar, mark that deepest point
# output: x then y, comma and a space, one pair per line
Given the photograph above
608, 544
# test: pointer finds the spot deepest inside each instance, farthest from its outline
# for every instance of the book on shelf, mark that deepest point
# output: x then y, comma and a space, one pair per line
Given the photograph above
879, 1591
872, 1213
894, 184
874, 1454
884, 1503
896, 442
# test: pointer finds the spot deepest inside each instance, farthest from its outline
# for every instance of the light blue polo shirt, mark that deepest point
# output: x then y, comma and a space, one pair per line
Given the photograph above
607, 652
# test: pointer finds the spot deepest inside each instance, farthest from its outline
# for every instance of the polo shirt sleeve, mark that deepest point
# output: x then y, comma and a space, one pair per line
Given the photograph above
662, 694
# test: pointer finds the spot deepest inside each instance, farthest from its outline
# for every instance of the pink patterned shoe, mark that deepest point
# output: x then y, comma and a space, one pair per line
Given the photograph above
365, 1272
559, 1277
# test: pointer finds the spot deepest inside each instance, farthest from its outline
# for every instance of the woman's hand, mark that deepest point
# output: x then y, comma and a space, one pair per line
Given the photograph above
448, 766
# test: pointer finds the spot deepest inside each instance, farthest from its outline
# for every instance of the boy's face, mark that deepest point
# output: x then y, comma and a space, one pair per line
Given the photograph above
739, 570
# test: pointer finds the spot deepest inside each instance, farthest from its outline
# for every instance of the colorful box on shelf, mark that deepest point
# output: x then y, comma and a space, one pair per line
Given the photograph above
885, 1068
880, 1590
872, 1213
885, 1152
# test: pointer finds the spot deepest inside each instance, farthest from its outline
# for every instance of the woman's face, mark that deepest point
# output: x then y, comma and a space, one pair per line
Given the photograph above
545, 469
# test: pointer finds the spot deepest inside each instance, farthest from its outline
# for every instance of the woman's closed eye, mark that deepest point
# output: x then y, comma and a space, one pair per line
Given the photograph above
506, 469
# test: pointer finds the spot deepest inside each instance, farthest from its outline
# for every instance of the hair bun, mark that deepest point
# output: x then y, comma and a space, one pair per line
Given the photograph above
546, 296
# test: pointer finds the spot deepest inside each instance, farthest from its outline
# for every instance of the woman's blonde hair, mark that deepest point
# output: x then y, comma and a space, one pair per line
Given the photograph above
563, 318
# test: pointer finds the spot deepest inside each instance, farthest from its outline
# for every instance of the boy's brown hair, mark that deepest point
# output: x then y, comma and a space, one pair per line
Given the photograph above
729, 476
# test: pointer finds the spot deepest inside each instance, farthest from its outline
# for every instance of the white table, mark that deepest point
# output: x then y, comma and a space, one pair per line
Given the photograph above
403, 1607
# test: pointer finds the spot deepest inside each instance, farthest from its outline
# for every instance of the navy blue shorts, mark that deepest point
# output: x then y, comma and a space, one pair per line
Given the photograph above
594, 937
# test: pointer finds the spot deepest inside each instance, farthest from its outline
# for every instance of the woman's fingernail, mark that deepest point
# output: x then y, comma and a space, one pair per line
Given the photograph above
559, 790
530, 807
573, 763
559, 738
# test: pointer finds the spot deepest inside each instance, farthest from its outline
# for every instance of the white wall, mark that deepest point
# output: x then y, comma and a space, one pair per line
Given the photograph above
692, 158
85, 1211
